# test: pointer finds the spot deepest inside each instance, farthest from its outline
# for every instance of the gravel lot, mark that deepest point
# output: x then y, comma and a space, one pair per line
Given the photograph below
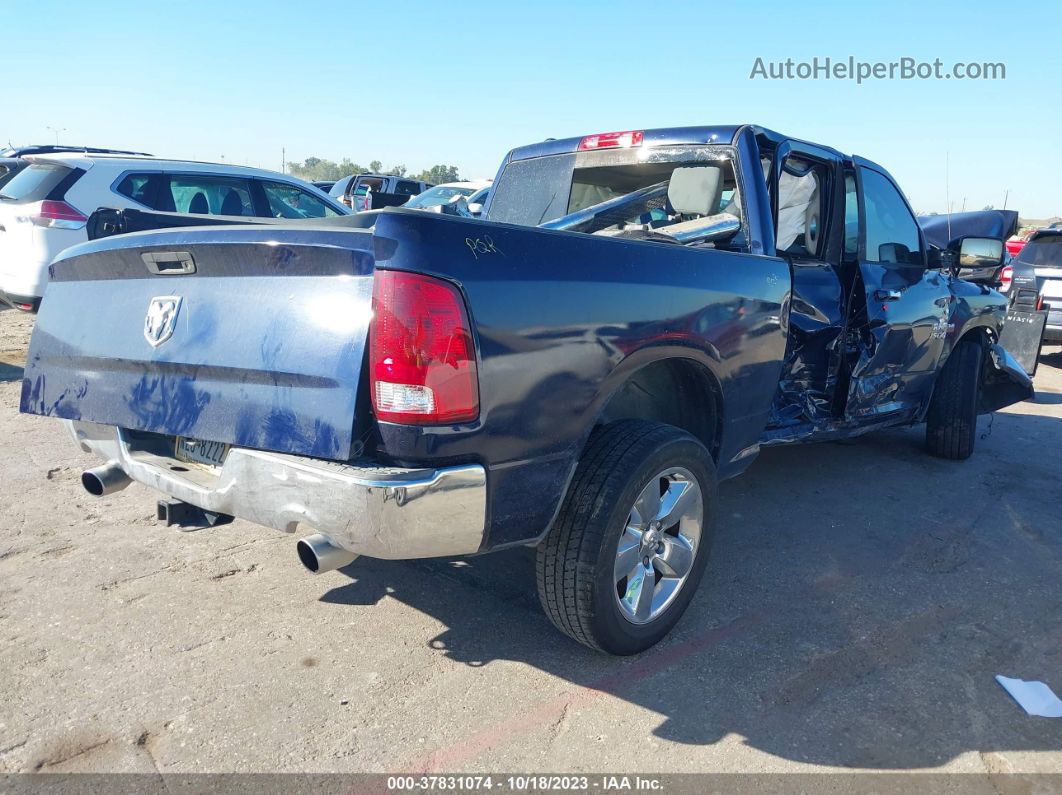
860, 599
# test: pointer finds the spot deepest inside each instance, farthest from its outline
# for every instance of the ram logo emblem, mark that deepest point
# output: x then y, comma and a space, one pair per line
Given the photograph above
161, 319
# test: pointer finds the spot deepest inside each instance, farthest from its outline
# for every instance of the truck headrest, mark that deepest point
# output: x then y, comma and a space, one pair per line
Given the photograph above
695, 190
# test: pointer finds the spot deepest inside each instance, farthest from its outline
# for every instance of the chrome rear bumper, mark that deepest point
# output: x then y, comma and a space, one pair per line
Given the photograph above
379, 512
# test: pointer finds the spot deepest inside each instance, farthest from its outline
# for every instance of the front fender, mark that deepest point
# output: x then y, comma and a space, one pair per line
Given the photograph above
1004, 381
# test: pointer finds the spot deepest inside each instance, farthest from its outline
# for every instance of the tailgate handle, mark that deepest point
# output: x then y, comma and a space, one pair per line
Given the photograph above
168, 263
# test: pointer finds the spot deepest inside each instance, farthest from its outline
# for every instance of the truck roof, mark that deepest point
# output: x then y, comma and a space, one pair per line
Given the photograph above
667, 136
657, 137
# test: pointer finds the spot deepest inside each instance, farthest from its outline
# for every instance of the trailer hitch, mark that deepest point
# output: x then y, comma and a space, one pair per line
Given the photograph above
189, 517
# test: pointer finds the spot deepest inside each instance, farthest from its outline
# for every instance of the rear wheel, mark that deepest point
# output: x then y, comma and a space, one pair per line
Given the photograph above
629, 546
951, 423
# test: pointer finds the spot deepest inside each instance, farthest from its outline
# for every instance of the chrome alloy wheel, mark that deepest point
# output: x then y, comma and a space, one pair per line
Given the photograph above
659, 543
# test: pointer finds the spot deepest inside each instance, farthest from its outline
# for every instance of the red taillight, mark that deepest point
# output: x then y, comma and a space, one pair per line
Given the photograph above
614, 140
422, 361
58, 214
1006, 276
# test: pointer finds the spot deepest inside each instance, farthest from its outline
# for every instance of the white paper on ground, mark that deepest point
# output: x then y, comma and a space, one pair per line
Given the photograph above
1036, 698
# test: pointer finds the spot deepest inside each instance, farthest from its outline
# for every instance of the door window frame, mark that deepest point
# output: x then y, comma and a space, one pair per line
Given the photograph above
831, 164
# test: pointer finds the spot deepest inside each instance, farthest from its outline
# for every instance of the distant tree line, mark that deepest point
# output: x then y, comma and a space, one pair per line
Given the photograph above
316, 168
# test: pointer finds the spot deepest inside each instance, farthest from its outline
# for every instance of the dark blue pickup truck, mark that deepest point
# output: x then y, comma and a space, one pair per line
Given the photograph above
633, 318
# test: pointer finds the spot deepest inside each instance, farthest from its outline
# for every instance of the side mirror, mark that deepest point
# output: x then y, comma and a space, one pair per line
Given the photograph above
475, 208
980, 252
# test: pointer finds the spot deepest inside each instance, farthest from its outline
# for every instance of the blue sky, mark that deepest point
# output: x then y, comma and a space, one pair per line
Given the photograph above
422, 83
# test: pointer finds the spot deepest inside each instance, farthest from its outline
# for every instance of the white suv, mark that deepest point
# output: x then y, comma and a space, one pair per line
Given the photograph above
44, 208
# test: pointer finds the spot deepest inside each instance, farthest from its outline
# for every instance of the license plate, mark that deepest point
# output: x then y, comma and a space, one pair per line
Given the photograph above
196, 451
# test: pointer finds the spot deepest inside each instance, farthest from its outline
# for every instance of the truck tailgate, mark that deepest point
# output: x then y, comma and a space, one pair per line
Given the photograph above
251, 336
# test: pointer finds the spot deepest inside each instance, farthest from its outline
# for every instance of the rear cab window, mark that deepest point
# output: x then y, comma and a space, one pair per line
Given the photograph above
541, 189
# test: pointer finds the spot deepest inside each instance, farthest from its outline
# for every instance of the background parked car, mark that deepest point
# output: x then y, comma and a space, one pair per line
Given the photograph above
1038, 280
1014, 245
12, 158
387, 191
474, 191
45, 207
45, 149
325, 185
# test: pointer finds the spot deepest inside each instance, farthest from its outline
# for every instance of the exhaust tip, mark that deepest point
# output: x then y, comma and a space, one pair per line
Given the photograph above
105, 479
319, 555
92, 484
307, 556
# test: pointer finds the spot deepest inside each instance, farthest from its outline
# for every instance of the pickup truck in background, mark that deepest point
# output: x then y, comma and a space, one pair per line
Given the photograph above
362, 192
634, 317
948, 229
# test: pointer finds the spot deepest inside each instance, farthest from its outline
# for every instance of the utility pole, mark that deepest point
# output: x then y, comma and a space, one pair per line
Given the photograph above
283, 161
1006, 196
56, 131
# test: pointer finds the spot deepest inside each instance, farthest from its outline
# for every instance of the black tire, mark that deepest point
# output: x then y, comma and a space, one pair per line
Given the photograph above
576, 560
951, 423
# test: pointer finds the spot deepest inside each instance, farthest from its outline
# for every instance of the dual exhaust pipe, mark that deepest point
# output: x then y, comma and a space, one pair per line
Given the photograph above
317, 553
105, 479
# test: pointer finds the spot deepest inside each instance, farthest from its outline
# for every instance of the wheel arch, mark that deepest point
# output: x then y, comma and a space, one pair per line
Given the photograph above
696, 377
981, 329
673, 387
